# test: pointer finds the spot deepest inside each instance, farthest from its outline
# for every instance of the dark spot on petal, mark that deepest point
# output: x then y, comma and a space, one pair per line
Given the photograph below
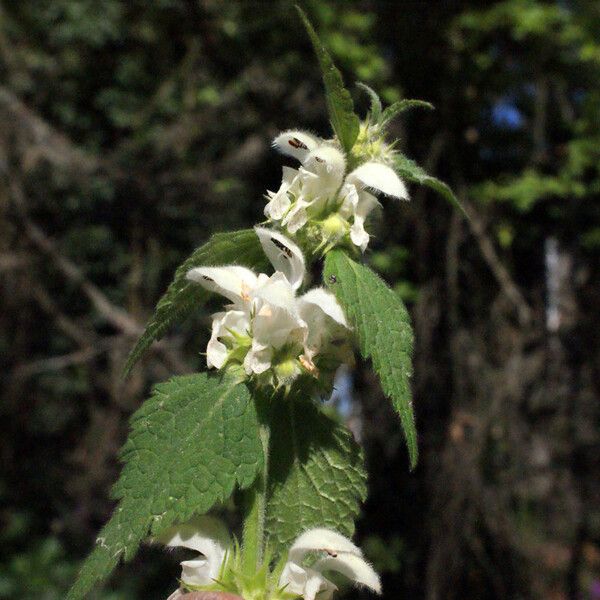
282, 247
296, 143
207, 278
380, 195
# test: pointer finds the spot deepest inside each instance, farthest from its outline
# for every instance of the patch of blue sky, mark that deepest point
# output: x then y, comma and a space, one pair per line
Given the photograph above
506, 115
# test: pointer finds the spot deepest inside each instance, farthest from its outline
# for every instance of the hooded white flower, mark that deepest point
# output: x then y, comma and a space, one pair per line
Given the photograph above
207, 536
310, 190
265, 321
340, 555
318, 188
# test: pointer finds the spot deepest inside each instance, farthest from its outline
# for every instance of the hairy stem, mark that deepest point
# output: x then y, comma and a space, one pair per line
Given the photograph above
253, 542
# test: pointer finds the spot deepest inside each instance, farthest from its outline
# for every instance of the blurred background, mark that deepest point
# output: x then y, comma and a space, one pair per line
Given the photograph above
132, 130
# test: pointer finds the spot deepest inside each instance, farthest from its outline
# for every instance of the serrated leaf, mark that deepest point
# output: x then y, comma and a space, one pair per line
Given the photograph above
183, 296
408, 169
393, 110
316, 473
382, 326
344, 120
376, 106
190, 444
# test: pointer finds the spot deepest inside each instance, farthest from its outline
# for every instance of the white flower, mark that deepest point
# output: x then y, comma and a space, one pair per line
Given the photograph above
318, 188
308, 191
210, 538
341, 555
265, 321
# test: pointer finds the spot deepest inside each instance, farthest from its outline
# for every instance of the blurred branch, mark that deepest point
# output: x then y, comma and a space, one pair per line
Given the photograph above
488, 251
114, 315
57, 363
41, 141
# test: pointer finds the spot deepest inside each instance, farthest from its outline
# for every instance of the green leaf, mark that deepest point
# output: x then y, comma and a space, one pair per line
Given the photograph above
190, 444
408, 169
382, 325
183, 296
344, 120
393, 110
376, 106
316, 473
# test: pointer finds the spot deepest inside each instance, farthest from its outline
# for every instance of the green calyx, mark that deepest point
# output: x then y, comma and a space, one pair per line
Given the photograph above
370, 145
260, 584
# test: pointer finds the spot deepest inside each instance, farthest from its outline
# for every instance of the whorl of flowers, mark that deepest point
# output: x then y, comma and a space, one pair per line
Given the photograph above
301, 573
321, 202
272, 333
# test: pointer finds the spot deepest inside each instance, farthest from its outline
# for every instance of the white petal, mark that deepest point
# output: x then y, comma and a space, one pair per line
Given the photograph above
284, 255
216, 351
323, 301
305, 582
358, 205
317, 584
206, 535
378, 177
222, 325
277, 321
296, 143
276, 291
366, 204
354, 567
358, 234
350, 196
321, 539
296, 217
258, 359
326, 161
233, 282
197, 572
279, 201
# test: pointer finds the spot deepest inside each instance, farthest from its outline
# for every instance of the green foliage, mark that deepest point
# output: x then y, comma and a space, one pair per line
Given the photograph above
382, 325
411, 171
190, 444
183, 296
316, 474
344, 120
393, 110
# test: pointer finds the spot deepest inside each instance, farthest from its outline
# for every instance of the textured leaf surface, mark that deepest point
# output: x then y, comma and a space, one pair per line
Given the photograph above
190, 444
401, 106
408, 169
183, 296
382, 325
316, 473
344, 120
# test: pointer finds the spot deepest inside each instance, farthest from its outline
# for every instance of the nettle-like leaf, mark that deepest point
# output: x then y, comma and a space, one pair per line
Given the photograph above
408, 169
393, 110
382, 326
183, 296
190, 444
316, 473
344, 120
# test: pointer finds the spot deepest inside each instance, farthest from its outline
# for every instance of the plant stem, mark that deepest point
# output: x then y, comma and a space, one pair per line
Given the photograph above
253, 541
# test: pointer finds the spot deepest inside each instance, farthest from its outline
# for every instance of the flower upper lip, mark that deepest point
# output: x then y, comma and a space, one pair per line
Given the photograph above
342, 556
